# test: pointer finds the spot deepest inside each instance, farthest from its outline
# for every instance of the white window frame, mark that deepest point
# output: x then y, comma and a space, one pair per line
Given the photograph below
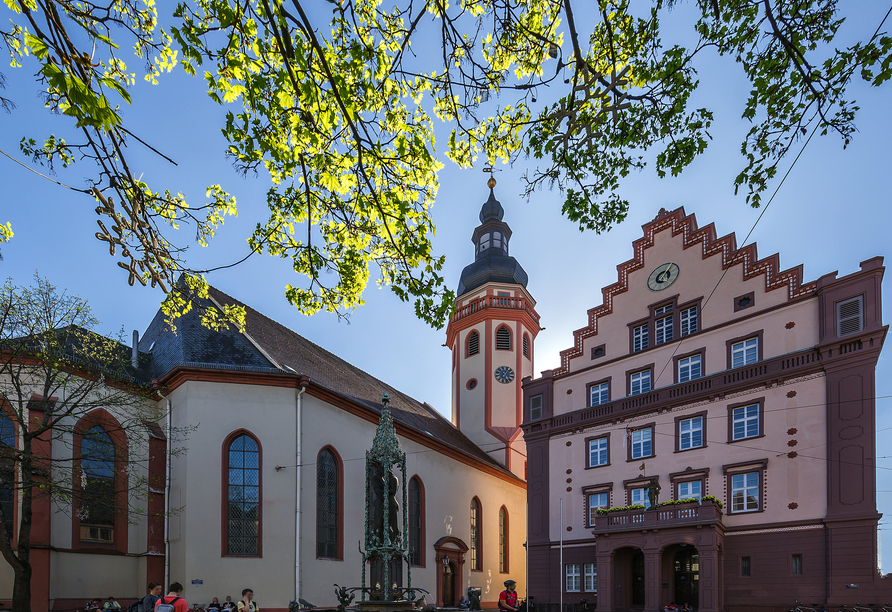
690, 368
599, 394
601, 452
745, 352
590, 573
572, 575
746, 416
639, 338
859, 317
534, 406
687, 320
641, 439
689, 487
687, 430
745, 487
639, 495
596, 501
637, 381
663, 330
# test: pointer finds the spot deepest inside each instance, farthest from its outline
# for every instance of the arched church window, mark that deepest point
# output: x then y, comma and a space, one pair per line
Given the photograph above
328, 505
476, 535
503, 540
473, 343
526, 346
243, 496
503, 339
416, 522
97, 502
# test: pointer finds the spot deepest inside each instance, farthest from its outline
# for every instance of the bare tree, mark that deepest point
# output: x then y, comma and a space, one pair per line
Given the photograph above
76, 425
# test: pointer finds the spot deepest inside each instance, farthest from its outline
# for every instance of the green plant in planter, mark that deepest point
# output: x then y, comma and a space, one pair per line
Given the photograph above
675, 502
620, 508
713, 499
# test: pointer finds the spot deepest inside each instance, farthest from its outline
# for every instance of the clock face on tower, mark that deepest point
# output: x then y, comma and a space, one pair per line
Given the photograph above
662, 277
504, 374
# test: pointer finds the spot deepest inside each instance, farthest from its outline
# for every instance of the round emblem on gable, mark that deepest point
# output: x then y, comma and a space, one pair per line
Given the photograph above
504, 374
662, 277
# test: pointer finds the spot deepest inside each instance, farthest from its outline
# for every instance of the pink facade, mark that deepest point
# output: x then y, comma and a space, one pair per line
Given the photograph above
710, 375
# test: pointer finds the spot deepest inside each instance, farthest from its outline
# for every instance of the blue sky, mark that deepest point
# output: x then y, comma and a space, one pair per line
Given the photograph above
832, 213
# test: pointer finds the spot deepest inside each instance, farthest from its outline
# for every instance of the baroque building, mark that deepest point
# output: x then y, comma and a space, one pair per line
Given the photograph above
709, 437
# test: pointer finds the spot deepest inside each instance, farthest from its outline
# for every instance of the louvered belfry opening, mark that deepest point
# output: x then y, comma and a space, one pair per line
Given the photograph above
849, 319
473, 344
503, 339
526, 346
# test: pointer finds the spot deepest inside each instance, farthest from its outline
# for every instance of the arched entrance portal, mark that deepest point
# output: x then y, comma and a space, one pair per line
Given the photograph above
450, 560
687, 577
629, 583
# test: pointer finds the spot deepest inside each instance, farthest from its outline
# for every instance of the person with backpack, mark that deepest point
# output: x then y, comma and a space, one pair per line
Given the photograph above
147, 604
172, 602
247, 604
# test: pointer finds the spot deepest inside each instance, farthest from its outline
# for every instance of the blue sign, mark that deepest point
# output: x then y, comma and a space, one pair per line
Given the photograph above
198, 582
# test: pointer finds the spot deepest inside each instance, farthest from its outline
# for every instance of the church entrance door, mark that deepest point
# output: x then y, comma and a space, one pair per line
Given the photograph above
687, 577
449, 585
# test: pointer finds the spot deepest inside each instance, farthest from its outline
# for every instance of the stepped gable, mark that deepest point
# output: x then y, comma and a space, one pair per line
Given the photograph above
294, 354
705, 238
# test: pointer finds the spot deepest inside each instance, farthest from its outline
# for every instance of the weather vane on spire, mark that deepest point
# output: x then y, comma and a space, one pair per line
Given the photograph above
491, 183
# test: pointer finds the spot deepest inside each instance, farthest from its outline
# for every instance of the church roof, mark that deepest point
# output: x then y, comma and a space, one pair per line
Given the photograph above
277, 349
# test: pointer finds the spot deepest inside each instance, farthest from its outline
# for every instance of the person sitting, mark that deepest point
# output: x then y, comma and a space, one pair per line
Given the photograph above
228, 604
215, 605
686, 607
464, 603
671, 607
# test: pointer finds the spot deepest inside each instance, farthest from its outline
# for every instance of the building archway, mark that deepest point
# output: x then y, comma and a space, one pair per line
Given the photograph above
629, 582
450, 558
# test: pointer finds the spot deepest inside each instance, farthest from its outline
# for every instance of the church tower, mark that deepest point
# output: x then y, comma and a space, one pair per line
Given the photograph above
491, 335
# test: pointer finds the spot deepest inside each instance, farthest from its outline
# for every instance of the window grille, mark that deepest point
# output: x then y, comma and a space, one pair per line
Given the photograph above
327, 506
243, 497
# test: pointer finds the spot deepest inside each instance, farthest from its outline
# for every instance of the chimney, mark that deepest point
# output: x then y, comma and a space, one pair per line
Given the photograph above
134, 355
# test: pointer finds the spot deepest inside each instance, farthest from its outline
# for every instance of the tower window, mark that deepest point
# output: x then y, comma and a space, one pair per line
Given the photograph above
526, 346
473, 343
849, 317
503, 339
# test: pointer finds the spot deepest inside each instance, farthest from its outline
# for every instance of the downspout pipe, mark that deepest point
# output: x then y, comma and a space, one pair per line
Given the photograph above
303, 382
168, 431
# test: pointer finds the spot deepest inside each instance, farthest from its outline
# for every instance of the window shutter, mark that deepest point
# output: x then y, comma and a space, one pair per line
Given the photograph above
503, 339
849, 317
526, 346
536, 408
473, 344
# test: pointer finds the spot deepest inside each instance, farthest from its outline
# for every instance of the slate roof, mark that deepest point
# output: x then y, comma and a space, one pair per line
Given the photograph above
290, 353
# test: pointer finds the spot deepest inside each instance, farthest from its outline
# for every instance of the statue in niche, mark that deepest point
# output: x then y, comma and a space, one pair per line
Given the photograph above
380, 478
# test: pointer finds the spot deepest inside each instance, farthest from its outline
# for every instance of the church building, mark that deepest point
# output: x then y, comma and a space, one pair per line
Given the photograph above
268, 492
709, 437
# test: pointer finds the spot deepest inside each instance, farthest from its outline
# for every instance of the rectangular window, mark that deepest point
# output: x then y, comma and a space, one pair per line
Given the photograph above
689, 368
688, 320
599, 394
535, 407
639, 496
642, 443
662, 309
597, 452
849, 317
690, 490
744, 353
745, 422
745, 492
639, 382
639, 338
745, 566
595, 502
591, 577
690, 433
797, 565
573, 577
663, 330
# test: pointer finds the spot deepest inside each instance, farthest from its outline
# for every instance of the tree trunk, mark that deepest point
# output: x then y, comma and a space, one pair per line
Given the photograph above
21, 589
